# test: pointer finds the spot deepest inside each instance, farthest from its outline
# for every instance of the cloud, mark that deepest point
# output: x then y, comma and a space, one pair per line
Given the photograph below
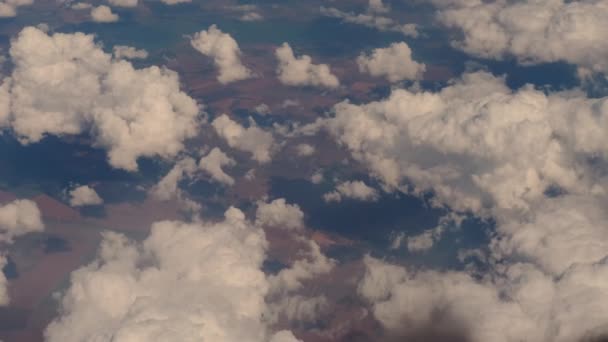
377, 6
167, 188
65, 84
529, 161
425, 240
301, 72
81, 6
129, 52
17, 218
279, 214
372, 21
103, 14
123, 3
305, 150
476, 144
225, 53
184, 282
531, 31
212, 164
252, 139
291, 279
356, 190
84, 195
8, 8
175, 2
394, 62
284, 336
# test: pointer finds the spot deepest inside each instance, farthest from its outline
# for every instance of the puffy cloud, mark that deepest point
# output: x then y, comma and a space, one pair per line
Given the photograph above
17, 218
317, 177
373, 21
8, 8
123, 3
532, 162
290, 279
477, 144
532, 31
279, 213
305, 150
560, 233
129, 52
84, 195
167, 188
357, 190
425, 240
522, 303
212, 164
298, 308
103, 14
81, 6
225, 53
394, 62
184, 282
377, 6
252, 139
65, 84
301, 71
406, 302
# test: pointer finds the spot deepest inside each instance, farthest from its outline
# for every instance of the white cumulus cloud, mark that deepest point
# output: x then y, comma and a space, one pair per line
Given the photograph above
184, 282
300, 71
225, 53
532, 31
84, 195
213, 163
394, 62
65, 84
129, 52
279, 213
103, 14
252, 139
356, 190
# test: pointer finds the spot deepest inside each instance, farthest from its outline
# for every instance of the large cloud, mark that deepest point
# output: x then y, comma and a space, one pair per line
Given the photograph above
65, 84
225, 53
300, 71
533, 162
184, 282
477, 144
532, 31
